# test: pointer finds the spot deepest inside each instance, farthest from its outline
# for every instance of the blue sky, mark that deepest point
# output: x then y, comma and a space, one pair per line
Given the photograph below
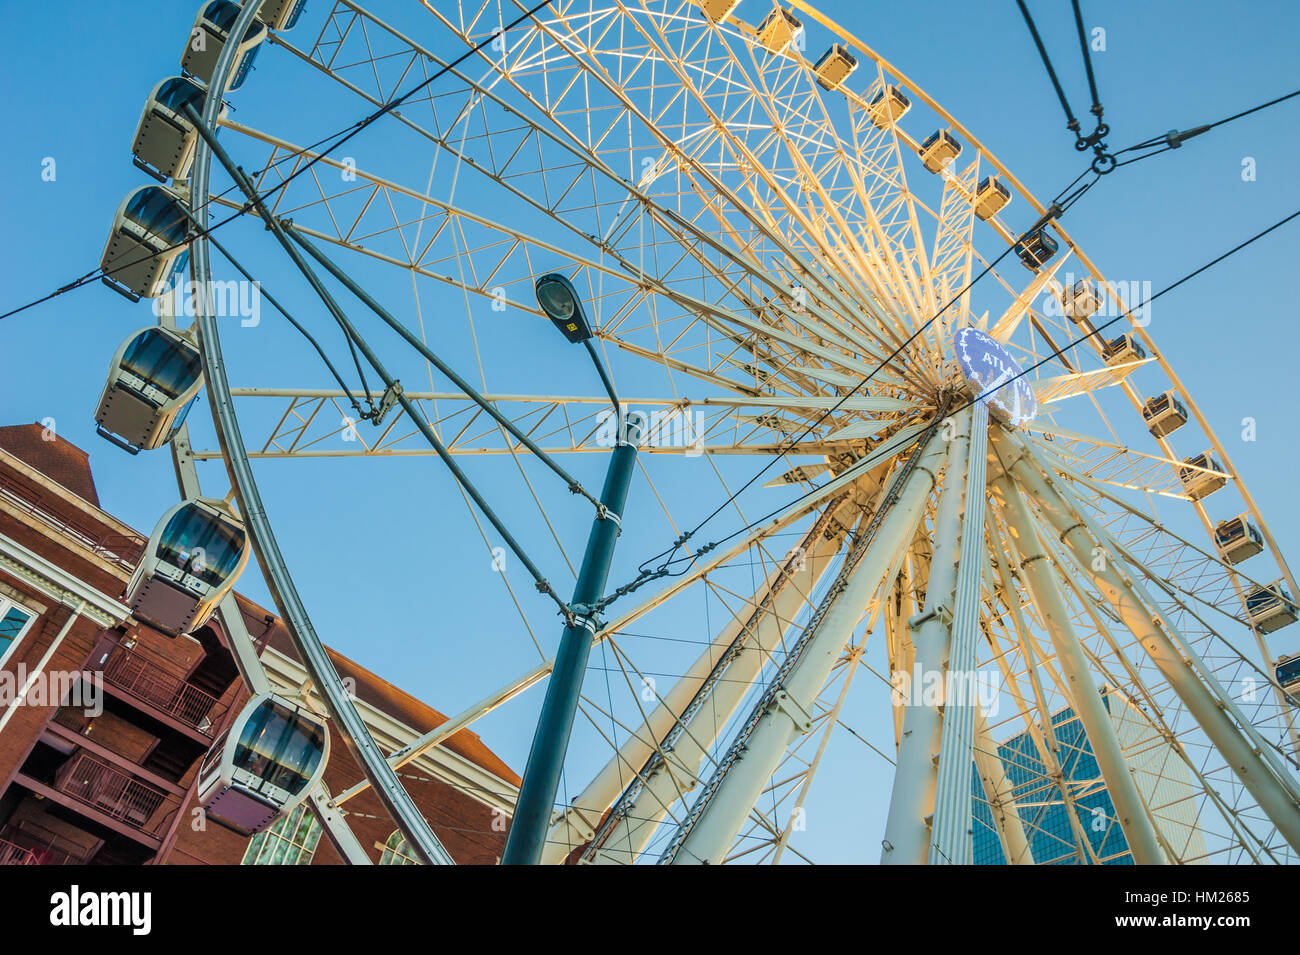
389, 560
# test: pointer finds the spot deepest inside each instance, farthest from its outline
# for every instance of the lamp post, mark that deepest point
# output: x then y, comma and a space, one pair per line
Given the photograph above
536, 803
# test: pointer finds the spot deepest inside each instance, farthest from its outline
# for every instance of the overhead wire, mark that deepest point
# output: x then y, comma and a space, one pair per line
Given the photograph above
343, 136
668, 556
663, 571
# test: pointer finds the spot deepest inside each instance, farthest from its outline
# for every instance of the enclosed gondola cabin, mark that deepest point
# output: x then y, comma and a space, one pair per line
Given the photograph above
939, 148
1035, 249
153, 379
1270, 608
1080, 301
778, 30
193, 558
888, 106
1164, 414
148, 244
1201, 475
835, 66
1123, 349
266, 764
212, 28
165, 139
991, 197
1237, 539
281, 14
718, 10
1288, 673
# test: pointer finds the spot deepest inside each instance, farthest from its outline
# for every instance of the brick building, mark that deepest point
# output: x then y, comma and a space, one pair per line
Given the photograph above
103, 720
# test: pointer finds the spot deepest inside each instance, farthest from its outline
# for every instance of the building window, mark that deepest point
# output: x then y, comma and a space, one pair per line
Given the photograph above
15, 621
397, 851
290, 841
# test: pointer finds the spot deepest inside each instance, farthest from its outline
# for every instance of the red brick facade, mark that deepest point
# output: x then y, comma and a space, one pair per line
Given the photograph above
117, 786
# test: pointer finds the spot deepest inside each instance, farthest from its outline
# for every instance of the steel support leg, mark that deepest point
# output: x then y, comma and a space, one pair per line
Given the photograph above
950, 834
1085, 698
1272, 795
759, 633
737, 792
907, 826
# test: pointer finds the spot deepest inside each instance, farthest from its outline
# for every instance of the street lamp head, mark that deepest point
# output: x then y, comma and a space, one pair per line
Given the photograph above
559, 300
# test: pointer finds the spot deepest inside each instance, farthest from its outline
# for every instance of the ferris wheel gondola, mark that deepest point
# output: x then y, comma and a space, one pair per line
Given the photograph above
211, 31
1237, 539
1270, 607
1036, 248
281, 14
1080, 301
165, 138
1202, 475
148, 244
1122, 349
191, 561
152, 382
1287, 672
1164, 414
938, 150
264, 765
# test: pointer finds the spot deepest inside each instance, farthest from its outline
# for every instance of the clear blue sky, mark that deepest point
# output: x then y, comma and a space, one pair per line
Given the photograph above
388, 559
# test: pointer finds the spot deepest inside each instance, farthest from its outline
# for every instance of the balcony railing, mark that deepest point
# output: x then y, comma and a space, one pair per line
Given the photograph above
11, 854
142, 677
94, 782
45, 847
123, 550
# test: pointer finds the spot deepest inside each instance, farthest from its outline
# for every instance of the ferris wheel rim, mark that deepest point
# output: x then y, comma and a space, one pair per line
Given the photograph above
905, 81
261, 535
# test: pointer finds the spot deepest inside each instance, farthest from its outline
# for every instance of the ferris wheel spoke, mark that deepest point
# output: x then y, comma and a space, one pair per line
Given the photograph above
311, 422
951, 258
499, 246
813, 149
714, 188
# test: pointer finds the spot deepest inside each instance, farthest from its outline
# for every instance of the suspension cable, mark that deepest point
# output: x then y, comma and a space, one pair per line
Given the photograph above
1071, 124
1175, 138
292, 321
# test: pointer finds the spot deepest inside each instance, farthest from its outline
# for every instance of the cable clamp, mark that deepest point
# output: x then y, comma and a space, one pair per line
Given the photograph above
391, 395
581, 615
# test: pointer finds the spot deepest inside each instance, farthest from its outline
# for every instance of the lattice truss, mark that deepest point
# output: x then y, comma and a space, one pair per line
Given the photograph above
753, 239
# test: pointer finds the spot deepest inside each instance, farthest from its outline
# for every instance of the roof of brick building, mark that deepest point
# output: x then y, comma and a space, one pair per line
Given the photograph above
56, 457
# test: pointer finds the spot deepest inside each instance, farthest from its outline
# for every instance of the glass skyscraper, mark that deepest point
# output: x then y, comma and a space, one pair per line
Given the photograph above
1046, 816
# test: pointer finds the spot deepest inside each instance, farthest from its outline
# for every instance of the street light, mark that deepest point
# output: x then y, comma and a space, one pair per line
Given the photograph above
558, 299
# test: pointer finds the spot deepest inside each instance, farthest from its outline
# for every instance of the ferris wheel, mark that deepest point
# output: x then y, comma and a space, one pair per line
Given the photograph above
913, 454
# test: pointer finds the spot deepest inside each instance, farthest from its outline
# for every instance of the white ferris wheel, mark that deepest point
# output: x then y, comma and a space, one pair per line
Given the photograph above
896, 454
